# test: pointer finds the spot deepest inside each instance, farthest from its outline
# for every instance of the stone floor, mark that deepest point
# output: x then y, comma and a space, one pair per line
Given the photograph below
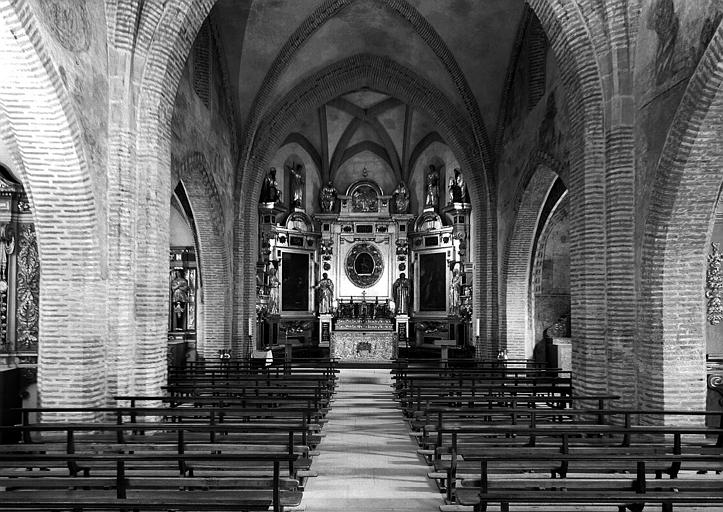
367, 460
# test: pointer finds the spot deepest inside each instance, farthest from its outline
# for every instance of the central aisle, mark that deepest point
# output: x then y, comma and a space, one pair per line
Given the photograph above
367, 460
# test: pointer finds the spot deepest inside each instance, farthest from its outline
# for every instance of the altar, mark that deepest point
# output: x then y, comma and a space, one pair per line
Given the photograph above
365, 268
363, 346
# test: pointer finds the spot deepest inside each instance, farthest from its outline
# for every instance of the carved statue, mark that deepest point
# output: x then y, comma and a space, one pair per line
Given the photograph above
455, 292
458, 188
431, 198
325, 289
273, 292
270, 192
179, 297
7, 247
401, 290
401, 198
296, 186
179, 287
327, 197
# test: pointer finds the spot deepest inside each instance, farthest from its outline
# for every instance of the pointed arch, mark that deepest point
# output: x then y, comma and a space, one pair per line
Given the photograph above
381, 74
515, 310
677, 231
301, 140
360, 147
60, 187
575, 55
213, 258
423, 144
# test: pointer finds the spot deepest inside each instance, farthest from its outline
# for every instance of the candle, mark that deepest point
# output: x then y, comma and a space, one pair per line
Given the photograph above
251, 325
477, 326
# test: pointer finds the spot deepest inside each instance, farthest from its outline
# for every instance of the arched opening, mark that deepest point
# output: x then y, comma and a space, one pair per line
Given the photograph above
186, 324
534, 205
678, 233
550, 282
361, 69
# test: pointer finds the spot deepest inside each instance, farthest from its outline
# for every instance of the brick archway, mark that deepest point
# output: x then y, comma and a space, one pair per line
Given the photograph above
671, 355
377, 73
517, 336
60, 187
574, 52
214, 263
176, 27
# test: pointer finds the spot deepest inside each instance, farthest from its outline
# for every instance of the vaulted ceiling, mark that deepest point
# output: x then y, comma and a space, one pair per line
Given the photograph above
461, 47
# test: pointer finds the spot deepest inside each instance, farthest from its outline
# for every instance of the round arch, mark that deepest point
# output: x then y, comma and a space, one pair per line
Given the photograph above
671, 356
60, 188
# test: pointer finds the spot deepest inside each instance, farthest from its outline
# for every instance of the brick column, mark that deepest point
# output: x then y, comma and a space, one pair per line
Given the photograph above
71, 363
575, 55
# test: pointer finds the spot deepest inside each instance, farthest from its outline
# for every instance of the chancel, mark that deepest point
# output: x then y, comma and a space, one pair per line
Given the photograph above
361, 255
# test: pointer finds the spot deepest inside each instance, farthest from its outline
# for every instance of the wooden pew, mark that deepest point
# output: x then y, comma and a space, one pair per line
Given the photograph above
311, 438
497, 485
202, 415
162, 492
471, 443
178, 438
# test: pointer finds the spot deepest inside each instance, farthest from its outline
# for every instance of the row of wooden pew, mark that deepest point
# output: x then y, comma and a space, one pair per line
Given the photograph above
225, 436
514, 435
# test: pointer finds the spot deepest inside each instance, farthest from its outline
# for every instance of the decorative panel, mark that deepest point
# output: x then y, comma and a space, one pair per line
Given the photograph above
28, 290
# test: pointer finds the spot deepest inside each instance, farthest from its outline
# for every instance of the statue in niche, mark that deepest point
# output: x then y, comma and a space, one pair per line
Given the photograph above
455, 292
325, 289
401, 290
458, 188
431, 198
401, 198
273, 292
270, 192
664, 21
180, 291
296, 186
327, 197
179, 287
7, 247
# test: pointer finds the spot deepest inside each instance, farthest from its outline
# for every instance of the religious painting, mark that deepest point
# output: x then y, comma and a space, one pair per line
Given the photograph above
364, 199
432, 282
294, 281
364, 265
